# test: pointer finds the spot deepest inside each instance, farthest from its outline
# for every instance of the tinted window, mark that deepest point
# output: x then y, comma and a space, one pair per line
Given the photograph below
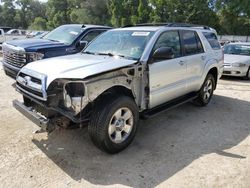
170, 39
213, 41
200, 47
191, 43
92, 35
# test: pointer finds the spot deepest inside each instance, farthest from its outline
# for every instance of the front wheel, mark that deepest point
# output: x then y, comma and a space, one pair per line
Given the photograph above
114, 123
248, 74
206, 91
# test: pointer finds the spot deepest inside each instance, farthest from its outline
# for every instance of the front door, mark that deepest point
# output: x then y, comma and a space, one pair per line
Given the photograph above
167, 78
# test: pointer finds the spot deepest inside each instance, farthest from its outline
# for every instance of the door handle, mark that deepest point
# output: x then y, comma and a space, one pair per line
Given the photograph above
181, 62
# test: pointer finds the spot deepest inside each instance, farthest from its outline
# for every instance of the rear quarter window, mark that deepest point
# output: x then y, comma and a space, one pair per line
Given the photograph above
212, 40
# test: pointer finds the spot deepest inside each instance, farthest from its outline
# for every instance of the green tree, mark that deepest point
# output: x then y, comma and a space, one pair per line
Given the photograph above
234, 16
39, 24
186, 11
143, 11
57, 12
89, 11
8, 13
125, 12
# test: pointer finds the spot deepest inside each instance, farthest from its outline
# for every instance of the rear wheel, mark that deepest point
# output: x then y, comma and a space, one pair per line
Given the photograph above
206, 91
114, 123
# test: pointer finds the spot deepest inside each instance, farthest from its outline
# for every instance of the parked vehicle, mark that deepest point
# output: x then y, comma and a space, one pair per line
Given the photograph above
64, 40
16, 32
13, 34
5, 29
124, 74
37, 34
237, 60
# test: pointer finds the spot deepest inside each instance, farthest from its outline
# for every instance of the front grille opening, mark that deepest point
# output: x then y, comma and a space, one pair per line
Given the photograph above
37, 93
16, 59
33, 79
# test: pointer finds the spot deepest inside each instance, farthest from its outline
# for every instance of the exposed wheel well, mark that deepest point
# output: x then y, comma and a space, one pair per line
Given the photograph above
214, 72
116, 91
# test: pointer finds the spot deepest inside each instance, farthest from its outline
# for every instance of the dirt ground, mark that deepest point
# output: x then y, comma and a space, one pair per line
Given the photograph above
184, 147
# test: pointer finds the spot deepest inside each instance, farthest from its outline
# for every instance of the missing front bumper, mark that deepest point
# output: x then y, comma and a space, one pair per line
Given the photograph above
29, 113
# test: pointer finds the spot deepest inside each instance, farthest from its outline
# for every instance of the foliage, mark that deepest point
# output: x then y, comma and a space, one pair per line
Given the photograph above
227, 16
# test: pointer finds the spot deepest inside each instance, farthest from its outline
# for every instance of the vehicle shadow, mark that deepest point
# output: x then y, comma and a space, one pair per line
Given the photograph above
164, 145
235, 79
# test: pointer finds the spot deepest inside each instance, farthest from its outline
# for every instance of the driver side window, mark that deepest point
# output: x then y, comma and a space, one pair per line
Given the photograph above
169, 39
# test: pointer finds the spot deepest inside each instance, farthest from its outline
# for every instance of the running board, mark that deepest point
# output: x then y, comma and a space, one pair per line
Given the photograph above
168, 105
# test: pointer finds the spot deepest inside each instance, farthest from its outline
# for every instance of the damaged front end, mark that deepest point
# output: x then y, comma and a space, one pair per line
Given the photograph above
68, 102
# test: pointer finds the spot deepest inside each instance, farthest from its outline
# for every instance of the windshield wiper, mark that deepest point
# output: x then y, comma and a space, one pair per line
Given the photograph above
87, 52
108, 54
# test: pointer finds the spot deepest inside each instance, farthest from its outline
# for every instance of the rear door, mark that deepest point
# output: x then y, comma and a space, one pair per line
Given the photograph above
167, 78
195, 58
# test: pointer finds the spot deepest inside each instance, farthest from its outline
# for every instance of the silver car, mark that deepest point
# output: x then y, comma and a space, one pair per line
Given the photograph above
124, 74
237, 60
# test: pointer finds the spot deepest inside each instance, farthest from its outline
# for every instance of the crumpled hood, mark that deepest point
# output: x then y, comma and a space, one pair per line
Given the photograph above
76, 66
31, 45
230, 58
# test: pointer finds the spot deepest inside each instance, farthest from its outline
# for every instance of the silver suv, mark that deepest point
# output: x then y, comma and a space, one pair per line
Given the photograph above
123, 75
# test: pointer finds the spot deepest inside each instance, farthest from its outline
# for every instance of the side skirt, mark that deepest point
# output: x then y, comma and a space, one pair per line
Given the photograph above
168, 105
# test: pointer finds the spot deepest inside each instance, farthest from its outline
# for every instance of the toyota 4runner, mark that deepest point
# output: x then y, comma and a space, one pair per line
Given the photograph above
124, 74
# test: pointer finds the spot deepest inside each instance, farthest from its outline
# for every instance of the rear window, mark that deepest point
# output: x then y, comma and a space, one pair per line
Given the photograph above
213, 40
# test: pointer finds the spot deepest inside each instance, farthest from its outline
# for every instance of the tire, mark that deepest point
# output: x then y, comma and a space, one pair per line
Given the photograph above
248, 74
206, 92
113, 123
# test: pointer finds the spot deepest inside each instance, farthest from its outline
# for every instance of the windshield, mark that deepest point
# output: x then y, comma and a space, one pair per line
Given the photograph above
128, 44
237, 49
66, 34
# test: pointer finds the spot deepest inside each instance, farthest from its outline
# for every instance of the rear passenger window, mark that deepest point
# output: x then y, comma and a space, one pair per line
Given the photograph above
169, 39
212, 39
191, 43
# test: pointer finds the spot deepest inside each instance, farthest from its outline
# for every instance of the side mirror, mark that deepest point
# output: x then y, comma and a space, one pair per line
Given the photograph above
82, 44
163, 53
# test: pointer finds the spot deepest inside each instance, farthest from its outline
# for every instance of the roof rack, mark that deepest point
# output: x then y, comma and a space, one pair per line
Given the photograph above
171, 25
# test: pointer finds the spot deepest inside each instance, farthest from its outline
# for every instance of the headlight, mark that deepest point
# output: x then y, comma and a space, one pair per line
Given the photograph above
35, 56
238, 64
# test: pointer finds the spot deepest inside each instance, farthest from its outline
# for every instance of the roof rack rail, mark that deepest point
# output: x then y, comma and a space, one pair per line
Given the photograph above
171, 25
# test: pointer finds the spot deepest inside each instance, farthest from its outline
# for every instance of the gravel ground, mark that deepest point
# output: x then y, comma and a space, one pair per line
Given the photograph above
184, 147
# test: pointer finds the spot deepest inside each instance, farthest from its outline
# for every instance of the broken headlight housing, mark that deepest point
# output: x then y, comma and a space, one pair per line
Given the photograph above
73, 94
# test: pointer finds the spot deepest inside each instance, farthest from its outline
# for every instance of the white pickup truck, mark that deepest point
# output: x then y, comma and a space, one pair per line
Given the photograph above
12, 34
